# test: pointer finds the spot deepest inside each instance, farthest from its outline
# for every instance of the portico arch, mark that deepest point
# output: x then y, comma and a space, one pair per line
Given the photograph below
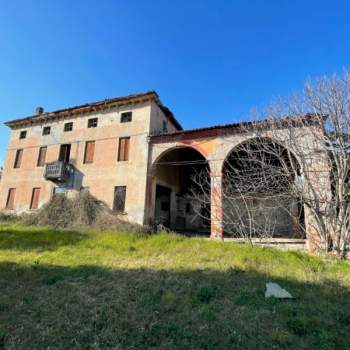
171, 184
256, 174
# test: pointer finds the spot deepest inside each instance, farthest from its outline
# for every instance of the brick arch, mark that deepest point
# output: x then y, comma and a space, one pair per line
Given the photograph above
195, 147
293, 157
153, 171
247, 140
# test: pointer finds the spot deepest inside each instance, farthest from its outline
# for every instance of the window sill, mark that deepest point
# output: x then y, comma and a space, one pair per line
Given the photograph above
123, 213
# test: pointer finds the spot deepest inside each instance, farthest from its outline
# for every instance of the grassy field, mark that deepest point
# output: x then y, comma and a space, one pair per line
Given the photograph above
93, 290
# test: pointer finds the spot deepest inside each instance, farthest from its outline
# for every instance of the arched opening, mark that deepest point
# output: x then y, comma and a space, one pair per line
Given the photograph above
173, 186
259, 199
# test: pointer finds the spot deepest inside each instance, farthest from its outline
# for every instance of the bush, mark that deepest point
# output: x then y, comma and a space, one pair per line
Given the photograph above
9, 218
82, 211
58, 213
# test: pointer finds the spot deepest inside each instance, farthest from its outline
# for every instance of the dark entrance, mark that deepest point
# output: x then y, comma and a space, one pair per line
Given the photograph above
64, 153
163, 205
176, 176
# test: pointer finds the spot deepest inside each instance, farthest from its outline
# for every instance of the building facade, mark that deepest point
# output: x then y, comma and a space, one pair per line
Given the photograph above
131, 153
106, 143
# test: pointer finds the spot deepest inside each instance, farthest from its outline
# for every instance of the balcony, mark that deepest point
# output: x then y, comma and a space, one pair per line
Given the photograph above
58, 171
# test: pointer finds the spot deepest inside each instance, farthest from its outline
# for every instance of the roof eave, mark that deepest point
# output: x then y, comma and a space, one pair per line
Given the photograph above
89, 107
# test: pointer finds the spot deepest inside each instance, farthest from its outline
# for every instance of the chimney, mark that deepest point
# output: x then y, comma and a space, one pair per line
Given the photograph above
39, 110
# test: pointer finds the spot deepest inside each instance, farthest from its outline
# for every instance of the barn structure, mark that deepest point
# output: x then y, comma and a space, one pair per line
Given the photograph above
132, 153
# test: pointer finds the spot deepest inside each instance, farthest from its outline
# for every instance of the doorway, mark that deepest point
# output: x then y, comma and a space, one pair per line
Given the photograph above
162, 208
64, 153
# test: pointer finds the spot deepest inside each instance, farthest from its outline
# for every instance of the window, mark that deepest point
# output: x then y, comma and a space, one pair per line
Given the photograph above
18, 158
119, 199
165, 126
64, 153
34, 202
68, 127
92, 123
123, 150
126, 117
42, 156
23, 134
89, 152
11, 198
46, 130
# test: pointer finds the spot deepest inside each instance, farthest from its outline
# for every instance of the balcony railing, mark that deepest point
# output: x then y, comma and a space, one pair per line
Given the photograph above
58, 171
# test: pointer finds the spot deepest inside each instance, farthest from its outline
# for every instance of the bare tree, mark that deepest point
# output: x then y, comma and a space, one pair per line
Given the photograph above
289, 162
255, 192
323, 152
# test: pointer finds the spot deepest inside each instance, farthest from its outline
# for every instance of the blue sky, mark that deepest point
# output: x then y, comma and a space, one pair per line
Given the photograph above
210, 61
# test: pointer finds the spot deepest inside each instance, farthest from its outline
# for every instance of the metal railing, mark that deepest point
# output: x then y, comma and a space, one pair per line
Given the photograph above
58, 171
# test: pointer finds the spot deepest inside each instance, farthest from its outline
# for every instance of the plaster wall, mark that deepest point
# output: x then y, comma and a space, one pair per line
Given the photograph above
102, 175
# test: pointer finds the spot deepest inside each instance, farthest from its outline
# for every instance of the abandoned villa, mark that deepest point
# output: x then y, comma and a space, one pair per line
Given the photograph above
132, 154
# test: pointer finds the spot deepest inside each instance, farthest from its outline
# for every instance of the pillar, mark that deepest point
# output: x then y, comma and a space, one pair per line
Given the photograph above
216, 227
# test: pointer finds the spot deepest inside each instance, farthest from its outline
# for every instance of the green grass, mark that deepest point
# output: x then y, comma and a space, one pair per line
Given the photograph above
93, 290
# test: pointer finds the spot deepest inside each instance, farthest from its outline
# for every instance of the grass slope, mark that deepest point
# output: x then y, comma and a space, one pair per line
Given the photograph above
93, 290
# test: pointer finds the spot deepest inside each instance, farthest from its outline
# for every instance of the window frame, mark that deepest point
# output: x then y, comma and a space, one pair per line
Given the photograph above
92, 123
64, 152
23, 132
34, 190
39, 163
123, 152
164, 126
45, 128
67, 127
85, 161
10, 190
127, 116
18, 158
116, 207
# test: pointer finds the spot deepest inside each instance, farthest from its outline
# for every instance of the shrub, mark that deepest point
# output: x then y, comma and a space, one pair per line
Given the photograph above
58, 213
82, 211
9, 218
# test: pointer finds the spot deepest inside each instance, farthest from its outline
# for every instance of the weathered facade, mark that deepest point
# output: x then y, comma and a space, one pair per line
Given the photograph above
100, 174
129, 152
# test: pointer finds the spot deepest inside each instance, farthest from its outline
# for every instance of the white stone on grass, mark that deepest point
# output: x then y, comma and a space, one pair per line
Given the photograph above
274, 290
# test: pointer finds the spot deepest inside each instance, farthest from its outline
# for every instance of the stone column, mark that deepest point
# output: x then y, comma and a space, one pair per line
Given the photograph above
320, 192
216, 229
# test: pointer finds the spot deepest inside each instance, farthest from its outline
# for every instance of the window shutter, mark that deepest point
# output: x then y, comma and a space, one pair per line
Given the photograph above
42, 156
18, 159
126, 149
89, 152
11, 198
123, 151
35, 198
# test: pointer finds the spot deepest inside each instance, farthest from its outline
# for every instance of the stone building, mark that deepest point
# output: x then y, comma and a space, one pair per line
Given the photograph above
129, 152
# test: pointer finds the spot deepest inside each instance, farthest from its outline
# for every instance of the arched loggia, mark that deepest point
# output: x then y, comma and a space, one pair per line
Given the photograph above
173, 185
257, 197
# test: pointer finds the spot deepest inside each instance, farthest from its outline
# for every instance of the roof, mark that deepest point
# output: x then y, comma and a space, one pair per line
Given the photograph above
93, 106
236, 128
